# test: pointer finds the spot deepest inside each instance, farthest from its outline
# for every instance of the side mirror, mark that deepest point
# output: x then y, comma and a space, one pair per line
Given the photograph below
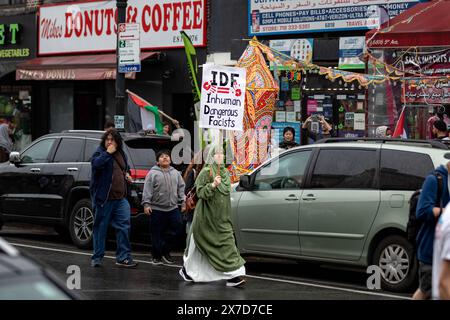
245, 182
14, 157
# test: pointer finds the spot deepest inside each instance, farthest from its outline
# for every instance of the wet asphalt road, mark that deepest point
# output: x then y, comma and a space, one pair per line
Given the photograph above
268, 279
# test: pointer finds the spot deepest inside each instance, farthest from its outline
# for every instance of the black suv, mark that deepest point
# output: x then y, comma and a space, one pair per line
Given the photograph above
48, 182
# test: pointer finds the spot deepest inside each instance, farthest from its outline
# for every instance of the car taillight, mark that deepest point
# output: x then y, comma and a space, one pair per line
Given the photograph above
138, 175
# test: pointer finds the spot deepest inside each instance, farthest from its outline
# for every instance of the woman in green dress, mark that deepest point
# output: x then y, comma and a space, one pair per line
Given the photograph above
211, 253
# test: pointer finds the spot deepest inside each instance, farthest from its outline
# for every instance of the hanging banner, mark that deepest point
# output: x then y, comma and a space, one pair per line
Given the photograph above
300, 49
90, 26
350, 52
293, 16
426, 90
223, 97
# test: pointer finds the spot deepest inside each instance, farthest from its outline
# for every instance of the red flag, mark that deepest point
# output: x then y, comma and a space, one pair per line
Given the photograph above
400, 130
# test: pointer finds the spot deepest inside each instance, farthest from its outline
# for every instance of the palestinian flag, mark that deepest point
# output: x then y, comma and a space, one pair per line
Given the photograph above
142, 115
400, 128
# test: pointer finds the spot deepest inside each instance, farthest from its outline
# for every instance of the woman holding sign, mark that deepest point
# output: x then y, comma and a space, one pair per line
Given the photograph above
211, 253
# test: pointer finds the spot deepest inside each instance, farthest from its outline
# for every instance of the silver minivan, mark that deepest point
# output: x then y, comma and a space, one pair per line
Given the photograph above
338, 202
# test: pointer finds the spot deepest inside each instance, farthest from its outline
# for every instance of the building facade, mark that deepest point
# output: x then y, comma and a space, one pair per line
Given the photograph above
324, 33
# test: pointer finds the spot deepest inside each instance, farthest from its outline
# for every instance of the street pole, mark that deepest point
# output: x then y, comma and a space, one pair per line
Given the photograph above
120, 77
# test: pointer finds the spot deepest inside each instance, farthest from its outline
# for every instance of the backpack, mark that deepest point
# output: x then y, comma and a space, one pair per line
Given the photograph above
413, 225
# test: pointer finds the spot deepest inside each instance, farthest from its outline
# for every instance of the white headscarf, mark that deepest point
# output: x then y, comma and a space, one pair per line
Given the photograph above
380, 132
5, 140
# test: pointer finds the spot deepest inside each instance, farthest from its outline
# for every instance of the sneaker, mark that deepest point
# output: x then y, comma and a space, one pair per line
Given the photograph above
156, 261
127, 263
236, 282
167, 259
96, 263
184, 275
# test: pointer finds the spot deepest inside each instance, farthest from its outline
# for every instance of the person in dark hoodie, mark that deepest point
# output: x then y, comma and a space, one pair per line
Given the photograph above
109, 189
163, 194
428, 212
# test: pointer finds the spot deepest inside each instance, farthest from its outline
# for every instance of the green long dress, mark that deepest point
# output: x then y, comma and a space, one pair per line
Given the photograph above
212, 228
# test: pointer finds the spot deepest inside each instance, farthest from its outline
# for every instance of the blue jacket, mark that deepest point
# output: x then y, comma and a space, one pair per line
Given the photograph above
424, 213
102, 164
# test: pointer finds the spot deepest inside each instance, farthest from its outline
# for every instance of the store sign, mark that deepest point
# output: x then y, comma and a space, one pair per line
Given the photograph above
69, 74
300, 49
293, 16
351, 50
91, 26
426, 90
10, 36
9, 33
427, 63
222, 97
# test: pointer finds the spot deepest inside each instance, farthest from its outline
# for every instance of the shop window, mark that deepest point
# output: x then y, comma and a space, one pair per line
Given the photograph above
15, 105
403, 170
345, 169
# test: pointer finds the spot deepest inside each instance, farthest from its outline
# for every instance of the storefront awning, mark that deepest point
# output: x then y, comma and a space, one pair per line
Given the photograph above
82, 67
7, 67
424, 25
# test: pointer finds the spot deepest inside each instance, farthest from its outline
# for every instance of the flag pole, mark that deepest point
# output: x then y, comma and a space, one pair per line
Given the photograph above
174, 121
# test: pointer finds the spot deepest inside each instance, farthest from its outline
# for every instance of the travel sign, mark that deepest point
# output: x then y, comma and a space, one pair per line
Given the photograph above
87, 27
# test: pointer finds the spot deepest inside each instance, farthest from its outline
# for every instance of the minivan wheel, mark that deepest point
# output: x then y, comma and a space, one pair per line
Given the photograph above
81, 224
395, 257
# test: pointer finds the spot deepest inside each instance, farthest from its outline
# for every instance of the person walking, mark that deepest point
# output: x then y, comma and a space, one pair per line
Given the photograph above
211, 253
441, 258
162, 195
6, 143
190, 175
428, 211
108, 187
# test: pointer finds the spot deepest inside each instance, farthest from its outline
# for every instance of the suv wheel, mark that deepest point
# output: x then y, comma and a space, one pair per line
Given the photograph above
81, 224
396, 258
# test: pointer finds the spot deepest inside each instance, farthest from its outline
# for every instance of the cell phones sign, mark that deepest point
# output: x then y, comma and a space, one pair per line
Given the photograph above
223, 97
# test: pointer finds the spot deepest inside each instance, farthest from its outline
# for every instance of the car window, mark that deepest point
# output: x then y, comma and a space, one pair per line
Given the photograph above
286, 172
142, 158
344, 169
39, 152
69, 150
89, 149
403, 170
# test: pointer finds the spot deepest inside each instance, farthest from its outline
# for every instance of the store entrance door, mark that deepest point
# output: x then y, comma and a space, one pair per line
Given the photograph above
88, 111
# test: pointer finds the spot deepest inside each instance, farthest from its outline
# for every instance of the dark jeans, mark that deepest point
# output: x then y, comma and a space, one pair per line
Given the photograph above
116, 212
165, 226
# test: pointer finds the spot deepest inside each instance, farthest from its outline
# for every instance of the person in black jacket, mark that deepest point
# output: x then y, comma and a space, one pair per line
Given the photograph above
288, 138
109, 189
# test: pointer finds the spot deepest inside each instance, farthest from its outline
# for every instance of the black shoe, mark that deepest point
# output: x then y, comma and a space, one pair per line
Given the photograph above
236, 282
167, 259
127, 263
156, 261
96, 263
184, 275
